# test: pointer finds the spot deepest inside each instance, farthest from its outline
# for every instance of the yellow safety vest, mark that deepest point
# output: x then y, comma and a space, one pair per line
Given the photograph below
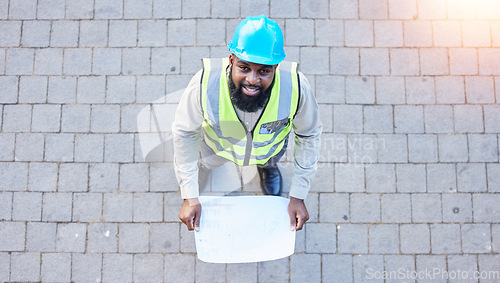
223, 131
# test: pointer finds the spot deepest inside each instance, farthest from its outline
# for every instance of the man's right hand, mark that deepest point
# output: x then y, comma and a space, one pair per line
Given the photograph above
190, 214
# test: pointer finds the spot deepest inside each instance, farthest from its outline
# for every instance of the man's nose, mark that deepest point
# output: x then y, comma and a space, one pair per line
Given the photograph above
253, 78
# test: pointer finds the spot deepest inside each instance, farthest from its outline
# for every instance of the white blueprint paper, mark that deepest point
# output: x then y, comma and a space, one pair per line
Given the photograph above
241, 229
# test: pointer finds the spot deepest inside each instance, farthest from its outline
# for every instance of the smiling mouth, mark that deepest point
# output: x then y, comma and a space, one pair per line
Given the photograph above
250, 90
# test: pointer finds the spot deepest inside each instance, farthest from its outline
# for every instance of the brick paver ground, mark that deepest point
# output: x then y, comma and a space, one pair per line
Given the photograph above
407, 188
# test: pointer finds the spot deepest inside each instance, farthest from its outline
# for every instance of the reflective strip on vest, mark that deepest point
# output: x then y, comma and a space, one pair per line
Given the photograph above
226, 135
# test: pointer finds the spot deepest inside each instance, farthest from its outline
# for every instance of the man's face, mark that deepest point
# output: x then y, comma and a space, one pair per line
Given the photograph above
250, 83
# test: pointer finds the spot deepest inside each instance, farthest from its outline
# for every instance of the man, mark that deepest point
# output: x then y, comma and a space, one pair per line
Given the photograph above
241, 109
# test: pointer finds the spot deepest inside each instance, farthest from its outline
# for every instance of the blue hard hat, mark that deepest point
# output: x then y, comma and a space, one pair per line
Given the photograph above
258, 40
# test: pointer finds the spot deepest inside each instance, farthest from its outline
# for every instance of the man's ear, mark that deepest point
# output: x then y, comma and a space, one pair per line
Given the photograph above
231, 59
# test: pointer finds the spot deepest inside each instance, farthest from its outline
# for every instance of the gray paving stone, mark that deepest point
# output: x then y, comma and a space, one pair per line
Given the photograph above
123, 33
329, 32
392, 148
365, 208
4, 266
373, 9
209, 272
71, 237
453, 148
91, 89
347, 118
86, 267
463, 61
75, 118
388, 33
19, 61
476, 238
152, 33
57, 207
134, 238
42, 177
314, 9
308, 55
27, 206
488, 263
211, 32
483, 148
274, 271
493, 171
165, 60
41, 237
334, 208
359, 33
378, 119
461, 263
33, 89
89, 148
5, 206
404, 62
365, 266
159, 178
102, 237
179, 268
399, 268
93, 33
438, 119
61, 90
374, 61
495, 233
450, 90
415, 238
137, 9
491, 120
336, 268
8, 93
56, 267
117, 267
344, 61
187, 240
485, 207
426, 264
108, 113
80, 9
487, 61
118, 148
457, 208
7, 142
117, 207
13, 176
447, 33
106, 61
352, 238
11, 33
136, 61
163, 10
320, 238
390, 90
344, 9
65, 33
164, 238
410, 178
330, 89
148, 267
471, 177
134, 177
426, 208
384, 239
468, 118
103, 177
87, 207
108, 9
5, 10
300, 241
434, 61
73, 177
310, 262
35, 34
380, 178
349, 178
120, 89
417, 34
181, 33
148, 207
445, 238
408, 119
48, 61
396, 208
129, 114
77, 61
228, 9
422, 148
242, 272
420, 90
479, 90
190, 58
25, 266
360, 90
13, 236
46, 118
441, 178
362, 149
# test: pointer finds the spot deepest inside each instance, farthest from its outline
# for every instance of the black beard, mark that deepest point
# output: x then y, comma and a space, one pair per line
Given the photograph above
245, 102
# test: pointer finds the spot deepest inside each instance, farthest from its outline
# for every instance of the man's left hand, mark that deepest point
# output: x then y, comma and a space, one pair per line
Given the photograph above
298, 213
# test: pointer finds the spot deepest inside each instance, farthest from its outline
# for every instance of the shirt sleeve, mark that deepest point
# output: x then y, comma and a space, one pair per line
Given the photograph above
307, 128
186, 136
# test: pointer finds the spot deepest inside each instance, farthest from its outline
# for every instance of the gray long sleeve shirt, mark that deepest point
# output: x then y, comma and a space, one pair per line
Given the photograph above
187, 126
